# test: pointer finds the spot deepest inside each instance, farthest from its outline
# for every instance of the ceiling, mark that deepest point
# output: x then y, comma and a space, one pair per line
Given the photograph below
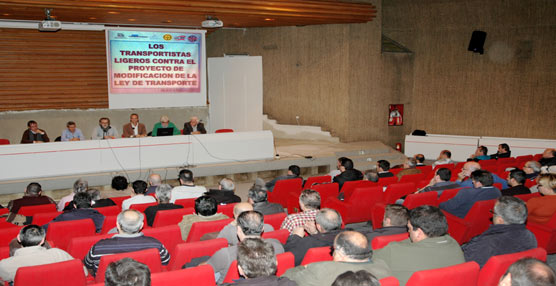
182, 13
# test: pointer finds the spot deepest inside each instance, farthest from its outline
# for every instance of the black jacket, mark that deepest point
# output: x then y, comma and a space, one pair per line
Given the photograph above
299, 245
388, 230
348, 175
223, 197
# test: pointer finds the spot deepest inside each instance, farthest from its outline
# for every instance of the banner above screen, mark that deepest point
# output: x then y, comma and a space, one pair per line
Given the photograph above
155, 68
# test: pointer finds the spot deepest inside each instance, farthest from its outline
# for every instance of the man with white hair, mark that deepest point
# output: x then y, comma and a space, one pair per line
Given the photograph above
154, 181
164, 123
80, 186
532, 169
464, 176
194, 126
225, 192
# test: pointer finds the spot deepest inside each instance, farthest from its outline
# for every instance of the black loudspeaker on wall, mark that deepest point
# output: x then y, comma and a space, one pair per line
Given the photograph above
477, 41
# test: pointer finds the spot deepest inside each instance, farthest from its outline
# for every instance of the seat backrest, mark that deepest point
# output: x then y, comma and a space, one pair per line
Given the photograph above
464, 274
199, 276
4, 141
226, 209
149, 257
280, 235
110, 210
349, 186
381, 241
387, 181
186, 203
317, 254
224, 130
412, 178
527, 197
497, 265
414, 200
169, 236
509, 160
389, 281
447, 195
142, 207
368, 196
317, 180
184, 252
348, 191
78, 247
479, 217
32, 210
51, 274
285, 261
275, 220
170, 217
398, 190
283, 188
109, 223
7, 234
200, 228
4, 252
119, 200
425, 169
326, 190
60, 233
44, 218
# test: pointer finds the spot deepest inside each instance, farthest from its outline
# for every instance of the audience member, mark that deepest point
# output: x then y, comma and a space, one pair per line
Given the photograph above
309, 203
134, 128
258, 197
127, 272
129, 238
383, 168
503, 152
508, 233
229, 232
72, 133
81, 210
408, 168
225, 192
394, 222
428, 247
256, 262
33, 134
249, 224
154, 181
120, 188
187, 188
194, 127
205, 210
482, 190
348, 173
79, 186
532, 169
336, 172
359, 278
97, 202
440, 182
104, 130
480, 154
165, 123
138, 196
371, 176
32, 253
321, 233
468, 168
420, 159
32, 196
548, 157
529, 272
516, 179
293, 173
162, 193
352, 252
445, 157
541, 209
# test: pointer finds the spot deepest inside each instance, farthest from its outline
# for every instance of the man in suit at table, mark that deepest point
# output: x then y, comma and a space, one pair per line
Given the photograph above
194, 127
134, 128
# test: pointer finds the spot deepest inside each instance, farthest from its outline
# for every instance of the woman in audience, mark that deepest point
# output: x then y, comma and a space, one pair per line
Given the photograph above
542, 208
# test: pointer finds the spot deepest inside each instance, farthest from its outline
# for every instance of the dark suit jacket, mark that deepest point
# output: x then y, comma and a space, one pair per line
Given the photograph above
223, 196
128, 131
299, 245
387, 230
187, 129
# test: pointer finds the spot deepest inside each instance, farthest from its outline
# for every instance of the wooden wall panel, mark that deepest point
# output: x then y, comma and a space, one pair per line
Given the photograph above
40, 70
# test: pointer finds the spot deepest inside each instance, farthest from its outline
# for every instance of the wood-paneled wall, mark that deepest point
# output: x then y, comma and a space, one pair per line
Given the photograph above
41, 70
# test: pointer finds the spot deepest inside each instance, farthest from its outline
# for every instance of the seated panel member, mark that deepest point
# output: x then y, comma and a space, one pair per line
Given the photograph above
134, 128
33, 134
72, 133
194, 127
165, 123
104, 130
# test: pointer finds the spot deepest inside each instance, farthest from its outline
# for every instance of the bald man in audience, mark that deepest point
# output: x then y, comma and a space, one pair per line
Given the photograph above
468, 168
548, 157
352, 252
528, 272
229, 232
194, 126
445, 157
154, 181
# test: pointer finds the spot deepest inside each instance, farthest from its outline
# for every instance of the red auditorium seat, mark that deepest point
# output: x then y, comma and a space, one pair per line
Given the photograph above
60, 233
381, 241
44, 218
198, 229
317, 180
282, 190
169, 236
475, 222
529, 183
356, 208
414, 200
349, 186
142, 207
317, 254
32, 210
4, 252
171, 217
108, 211
398, 190
412, 178
226, 130
545, 234
149, 257
285, 261
389, 281
425, 170
384, 182
119, 200
50, 274
395, 171
184, 252
227, 209
326, 190
199, 276
464, 274
109, 223
275, 220
78, 247
186, 203
510, 160
4, 142
497, 265
8, 234
527, 197
280, 235
447, 195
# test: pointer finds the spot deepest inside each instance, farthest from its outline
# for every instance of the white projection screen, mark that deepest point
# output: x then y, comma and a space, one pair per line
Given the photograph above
155, 68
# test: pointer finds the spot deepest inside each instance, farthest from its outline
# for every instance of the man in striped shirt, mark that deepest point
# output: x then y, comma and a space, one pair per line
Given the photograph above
129, 238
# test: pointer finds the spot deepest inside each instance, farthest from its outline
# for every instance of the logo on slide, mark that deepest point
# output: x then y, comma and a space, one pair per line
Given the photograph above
192, 38
167, 37
180, 38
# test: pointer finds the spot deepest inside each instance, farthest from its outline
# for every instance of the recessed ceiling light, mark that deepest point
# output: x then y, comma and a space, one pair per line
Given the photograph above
167, 21
92, 18
6, 14
131, 20
268, 19
113, 12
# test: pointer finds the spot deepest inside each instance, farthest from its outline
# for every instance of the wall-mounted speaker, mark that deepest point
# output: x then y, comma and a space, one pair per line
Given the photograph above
477, 42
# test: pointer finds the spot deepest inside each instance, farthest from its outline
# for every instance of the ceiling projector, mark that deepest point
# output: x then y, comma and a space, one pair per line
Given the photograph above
50, 26
212, 24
